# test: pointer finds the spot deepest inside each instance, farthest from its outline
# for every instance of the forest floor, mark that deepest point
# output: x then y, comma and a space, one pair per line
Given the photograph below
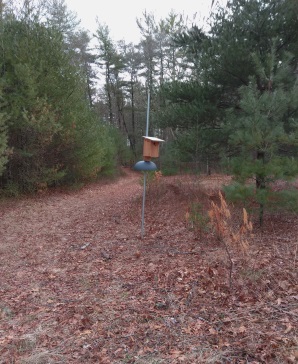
78, 284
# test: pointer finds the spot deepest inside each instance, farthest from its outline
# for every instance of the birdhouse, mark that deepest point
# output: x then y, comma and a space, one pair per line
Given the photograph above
151, 147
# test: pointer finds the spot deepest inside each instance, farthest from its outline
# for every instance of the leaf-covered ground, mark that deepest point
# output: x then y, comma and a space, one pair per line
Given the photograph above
79, 285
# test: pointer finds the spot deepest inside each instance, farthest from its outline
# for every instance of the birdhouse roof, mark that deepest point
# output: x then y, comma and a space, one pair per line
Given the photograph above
153, 139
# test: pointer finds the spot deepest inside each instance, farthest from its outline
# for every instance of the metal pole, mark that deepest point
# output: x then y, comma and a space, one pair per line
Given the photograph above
143, 206
148, 112
145, 173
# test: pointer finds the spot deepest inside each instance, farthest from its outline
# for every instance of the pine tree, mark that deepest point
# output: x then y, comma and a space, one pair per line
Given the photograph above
3, 143
53, 135
264, 130
219, 62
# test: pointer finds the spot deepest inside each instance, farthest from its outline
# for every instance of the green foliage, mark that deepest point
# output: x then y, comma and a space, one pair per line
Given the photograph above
239, 100
246, 39
242, 28
3, 140
3, 143
264, 129
252, 198
122, 154
189, 104
53, 135
237, 192
286, 199
198, 218
197, 146
11, 189
89, 151
171, 170
170, 159
31, 80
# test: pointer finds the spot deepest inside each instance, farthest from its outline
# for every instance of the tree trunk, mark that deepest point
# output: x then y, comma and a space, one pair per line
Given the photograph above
260, 185
133, 134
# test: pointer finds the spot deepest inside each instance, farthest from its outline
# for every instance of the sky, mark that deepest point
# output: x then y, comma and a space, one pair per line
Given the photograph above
120, 16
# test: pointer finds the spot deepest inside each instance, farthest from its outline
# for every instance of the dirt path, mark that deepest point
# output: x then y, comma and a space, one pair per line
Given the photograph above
65, 260
69, 216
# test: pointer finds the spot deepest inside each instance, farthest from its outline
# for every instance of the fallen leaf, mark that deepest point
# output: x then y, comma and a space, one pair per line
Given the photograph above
118, 351
174, 354
187, 330
212, 331
242, 329
288, 329
85, 332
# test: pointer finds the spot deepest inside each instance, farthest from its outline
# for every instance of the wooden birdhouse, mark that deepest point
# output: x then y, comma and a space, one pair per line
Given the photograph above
151, 147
